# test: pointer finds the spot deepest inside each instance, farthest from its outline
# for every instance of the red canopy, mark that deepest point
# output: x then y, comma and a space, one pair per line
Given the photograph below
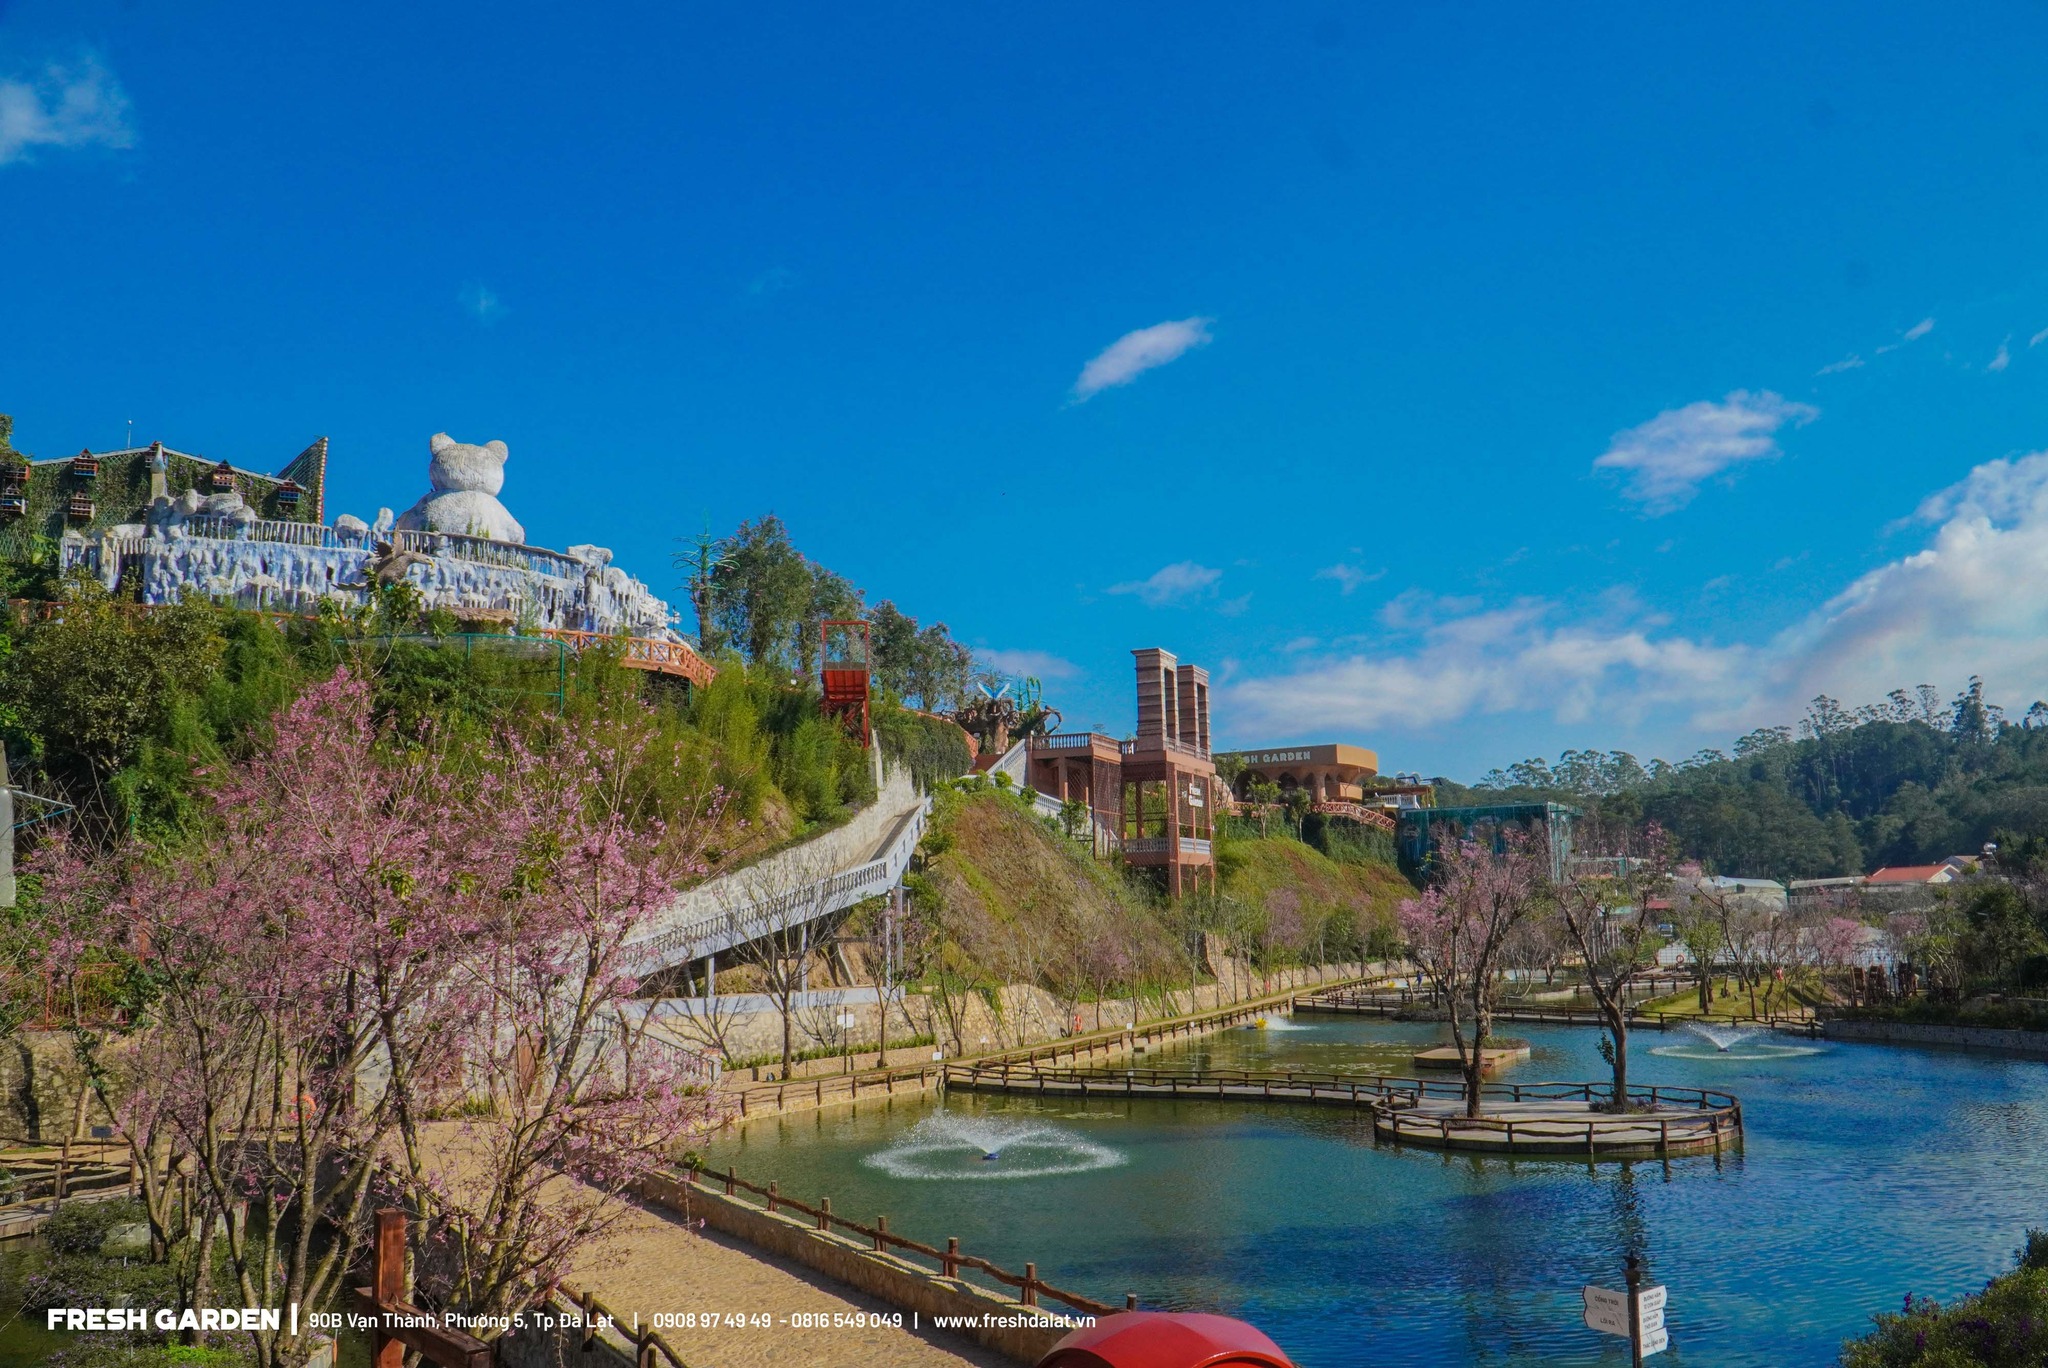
1162, 1339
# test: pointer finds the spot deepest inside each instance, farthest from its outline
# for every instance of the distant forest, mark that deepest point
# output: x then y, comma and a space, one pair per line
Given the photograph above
1910, 780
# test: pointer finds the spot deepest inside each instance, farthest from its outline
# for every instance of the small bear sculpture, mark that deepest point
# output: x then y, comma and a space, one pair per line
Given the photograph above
466, 480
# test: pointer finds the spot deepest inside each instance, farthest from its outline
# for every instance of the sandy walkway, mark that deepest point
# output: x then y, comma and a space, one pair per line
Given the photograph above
654, 1266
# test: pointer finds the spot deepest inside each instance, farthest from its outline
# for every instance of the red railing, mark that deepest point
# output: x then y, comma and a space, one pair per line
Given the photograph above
642, 653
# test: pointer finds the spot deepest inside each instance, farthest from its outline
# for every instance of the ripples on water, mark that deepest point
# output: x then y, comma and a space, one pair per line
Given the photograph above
951, 1145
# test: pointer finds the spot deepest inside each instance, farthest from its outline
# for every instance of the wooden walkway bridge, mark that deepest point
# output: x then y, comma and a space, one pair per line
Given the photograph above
1518, 1118
1409, 1002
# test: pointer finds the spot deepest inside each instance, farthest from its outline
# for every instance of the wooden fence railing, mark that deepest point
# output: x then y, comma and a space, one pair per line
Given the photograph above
951, 1263
1680, 1130
816, 1091
1394, 1002
646, 1341
768, 1098
1300, 1082
402, 1326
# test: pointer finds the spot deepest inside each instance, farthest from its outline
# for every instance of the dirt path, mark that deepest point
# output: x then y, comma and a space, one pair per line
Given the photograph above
654, 1266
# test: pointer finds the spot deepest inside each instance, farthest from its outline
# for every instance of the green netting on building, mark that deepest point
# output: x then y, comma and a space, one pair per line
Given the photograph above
1422, 830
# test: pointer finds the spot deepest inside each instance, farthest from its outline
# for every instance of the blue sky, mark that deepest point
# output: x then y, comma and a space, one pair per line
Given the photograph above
1467, 382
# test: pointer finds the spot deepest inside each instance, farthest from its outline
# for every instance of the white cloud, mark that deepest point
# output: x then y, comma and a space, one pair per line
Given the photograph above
1669, 457
2003, 359
1349, 577
1171, 584
1031, 664
1131, 355
1961, 605
1847, 363
773, 281
1522, 658
2038, 338
1912, 334
79, 105
481, 303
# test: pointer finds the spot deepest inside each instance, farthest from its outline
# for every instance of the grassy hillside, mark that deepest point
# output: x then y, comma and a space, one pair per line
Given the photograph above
1359, 898
1003, 897
121, 712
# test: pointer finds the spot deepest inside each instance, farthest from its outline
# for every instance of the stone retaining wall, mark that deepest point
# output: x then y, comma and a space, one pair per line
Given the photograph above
2034, 1043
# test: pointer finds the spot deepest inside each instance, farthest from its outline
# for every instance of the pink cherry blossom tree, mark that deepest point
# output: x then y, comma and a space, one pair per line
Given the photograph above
392, 970
585, 1083
1605, 910
1458, 932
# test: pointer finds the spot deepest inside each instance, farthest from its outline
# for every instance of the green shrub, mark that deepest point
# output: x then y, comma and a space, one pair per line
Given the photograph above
2004, 1326
82, 1227
936, 751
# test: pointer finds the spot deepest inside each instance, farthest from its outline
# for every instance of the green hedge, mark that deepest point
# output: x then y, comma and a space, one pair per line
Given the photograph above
1999, 1016
934, 749
2004, 1326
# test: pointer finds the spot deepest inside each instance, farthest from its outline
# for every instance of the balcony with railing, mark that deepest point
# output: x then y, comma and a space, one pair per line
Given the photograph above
484, 551
262, 530
1183, 844
1145, 744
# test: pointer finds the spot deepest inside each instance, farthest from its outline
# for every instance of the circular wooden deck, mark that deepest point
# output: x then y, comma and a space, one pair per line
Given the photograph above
1668, 1121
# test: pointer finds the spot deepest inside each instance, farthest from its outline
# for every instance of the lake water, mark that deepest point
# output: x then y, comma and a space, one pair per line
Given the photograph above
1867, 1172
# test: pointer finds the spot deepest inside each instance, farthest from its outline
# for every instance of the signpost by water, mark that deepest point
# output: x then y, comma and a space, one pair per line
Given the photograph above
1636, 1315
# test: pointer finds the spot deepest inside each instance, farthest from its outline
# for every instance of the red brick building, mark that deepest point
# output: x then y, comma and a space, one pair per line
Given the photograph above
1158, 791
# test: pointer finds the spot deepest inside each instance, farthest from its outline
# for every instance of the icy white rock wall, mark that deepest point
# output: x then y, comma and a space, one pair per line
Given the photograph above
576, 594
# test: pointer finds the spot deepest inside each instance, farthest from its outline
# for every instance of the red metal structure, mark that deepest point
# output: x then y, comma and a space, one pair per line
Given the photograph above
1163, 1339
843, 673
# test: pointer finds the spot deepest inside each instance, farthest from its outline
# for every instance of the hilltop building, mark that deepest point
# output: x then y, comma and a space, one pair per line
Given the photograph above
1340, 781
1889, 889
1156, 793
95, 492
155, 524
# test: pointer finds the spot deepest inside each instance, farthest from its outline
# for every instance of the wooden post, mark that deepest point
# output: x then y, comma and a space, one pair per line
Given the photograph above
949, 1267
1030, 1297
589, 1320
881, 1232
824, 1213
1634, 1272
387, 1284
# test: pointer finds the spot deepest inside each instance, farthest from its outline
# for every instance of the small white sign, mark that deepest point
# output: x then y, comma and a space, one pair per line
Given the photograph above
1607, 1311
1655, 1343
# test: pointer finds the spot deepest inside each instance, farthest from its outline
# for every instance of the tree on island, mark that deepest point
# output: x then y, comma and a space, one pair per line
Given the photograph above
1459, 930
1604, 907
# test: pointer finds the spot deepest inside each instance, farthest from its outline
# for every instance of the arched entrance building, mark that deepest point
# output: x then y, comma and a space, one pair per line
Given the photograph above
1330, 774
